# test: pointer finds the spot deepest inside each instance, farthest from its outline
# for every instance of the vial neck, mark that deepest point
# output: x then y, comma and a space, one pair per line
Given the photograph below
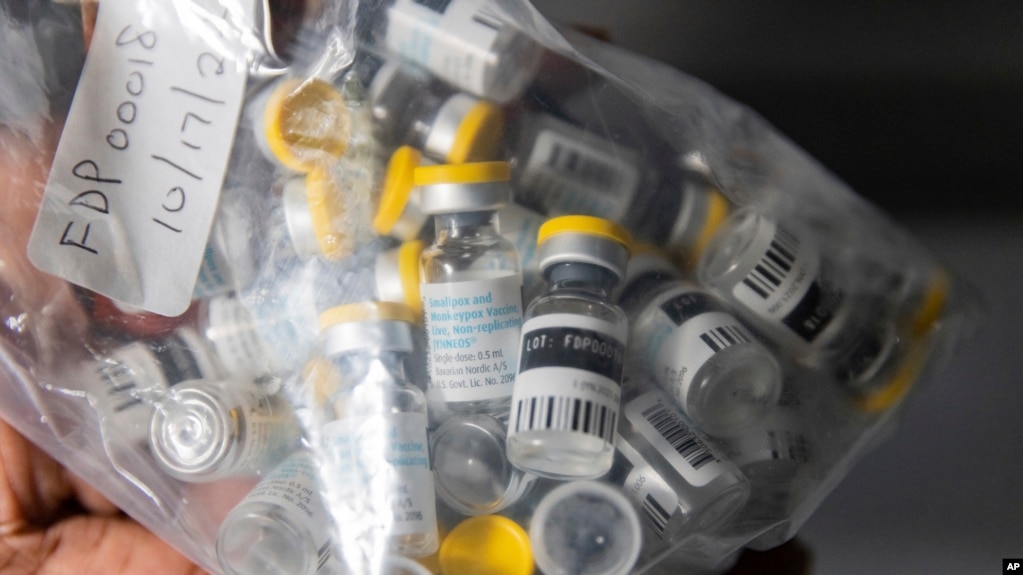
581, 277
465, 225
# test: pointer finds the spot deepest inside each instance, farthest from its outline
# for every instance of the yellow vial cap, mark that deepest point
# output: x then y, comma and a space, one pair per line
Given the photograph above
717, 211
486, 545
306, 123
588, 225
366, 311
478, 136
932, 306
409, 271
473, 173
397, 188
328, 215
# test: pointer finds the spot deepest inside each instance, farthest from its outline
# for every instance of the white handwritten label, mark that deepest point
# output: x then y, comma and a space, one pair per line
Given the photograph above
135, 181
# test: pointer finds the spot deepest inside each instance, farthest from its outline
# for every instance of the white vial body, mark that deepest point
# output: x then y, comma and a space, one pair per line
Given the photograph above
786, 286
281, 526
563, 169
706, 359
464, 43
125, 384
568, 389
205, 430
682, 485
472, 311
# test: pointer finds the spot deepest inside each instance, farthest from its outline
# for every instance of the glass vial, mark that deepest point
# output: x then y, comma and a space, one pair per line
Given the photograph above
696, 350
396, 275
471, 470
682, 485
232, 333
374, 433
563, 169
463, 42
567, 391
471, 289
447, 126
126, 383
281, 526
229, 260
205, 430
782, 282
318, 218
585, 527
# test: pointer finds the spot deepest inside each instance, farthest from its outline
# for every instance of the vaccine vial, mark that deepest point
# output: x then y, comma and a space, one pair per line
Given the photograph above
491, 544
301, 123
470, 466
471, 289
448, 126
585, 527
567, 392
778, 458
669, 470
714, 368
281, 526
374, 435
463, 42
125, 383
561, 168
232, 333
783, 283
205, 430
319, 220
682, 218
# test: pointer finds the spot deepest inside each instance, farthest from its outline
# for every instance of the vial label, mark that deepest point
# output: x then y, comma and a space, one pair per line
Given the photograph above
384, 461
139, 166
472, 336
681, 335
786, 284
567, 174
236, 338
569, 376
128, 378
664, 429
455, 39
775, 444
647, 489
292, 486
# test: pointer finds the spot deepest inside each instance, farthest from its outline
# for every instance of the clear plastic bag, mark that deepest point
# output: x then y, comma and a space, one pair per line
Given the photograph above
276, 422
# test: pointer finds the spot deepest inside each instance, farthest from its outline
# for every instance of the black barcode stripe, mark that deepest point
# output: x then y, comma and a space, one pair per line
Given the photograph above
658, 515
323, 555
563, 413
671, 427
121, 386
720, 337
770, 272
586, 167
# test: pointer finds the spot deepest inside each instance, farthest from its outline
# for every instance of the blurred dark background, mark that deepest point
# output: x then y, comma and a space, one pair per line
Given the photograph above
915, 104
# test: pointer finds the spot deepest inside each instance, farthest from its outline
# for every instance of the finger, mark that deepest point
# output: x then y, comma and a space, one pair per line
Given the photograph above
91, 545
32, 485
90, 498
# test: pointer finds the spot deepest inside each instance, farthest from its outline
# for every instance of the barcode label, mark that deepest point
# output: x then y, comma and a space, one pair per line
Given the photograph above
571, 171
721, 337
658, 515
564, 413
438, 6
789, 445
773, 268
671, 427
485, 18
323, 555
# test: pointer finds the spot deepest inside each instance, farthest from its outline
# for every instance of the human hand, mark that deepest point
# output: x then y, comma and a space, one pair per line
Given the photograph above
51, 522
